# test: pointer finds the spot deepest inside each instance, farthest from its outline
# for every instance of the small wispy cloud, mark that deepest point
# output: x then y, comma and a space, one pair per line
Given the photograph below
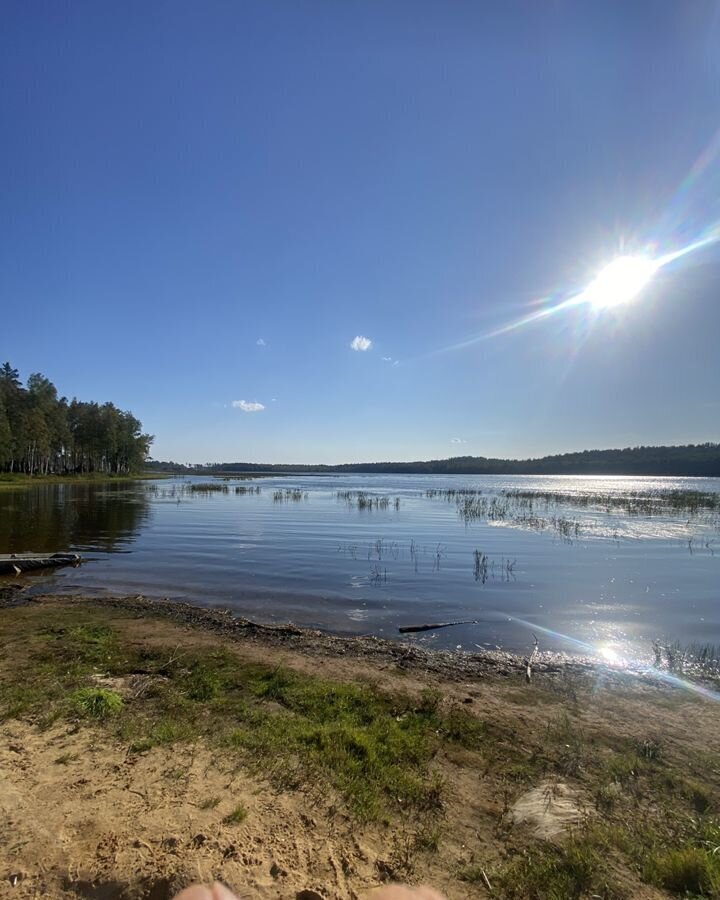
260, 342
248, 405
360, 343
458, 441
387, 359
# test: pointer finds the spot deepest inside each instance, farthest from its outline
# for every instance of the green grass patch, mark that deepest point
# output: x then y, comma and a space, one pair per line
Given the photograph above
96, 703
547, 872
624, 767
19, 699
374, 748
687, 870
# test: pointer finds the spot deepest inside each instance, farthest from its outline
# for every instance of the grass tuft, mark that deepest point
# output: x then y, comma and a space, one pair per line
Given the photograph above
96, 703
555, 873
687, 870
236, 816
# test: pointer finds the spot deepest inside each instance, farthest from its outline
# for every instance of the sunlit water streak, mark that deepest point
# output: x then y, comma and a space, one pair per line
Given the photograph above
621, 582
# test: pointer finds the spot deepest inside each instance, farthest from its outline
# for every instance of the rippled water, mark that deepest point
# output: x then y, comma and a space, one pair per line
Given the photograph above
581, 575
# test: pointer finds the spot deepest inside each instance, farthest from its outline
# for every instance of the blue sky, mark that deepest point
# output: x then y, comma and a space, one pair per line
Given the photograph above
183, 180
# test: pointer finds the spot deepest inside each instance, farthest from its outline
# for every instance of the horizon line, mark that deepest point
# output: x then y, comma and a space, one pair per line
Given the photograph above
497, 459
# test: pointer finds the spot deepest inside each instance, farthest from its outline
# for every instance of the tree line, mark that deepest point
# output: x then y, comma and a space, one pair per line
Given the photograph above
686, 460
44, 434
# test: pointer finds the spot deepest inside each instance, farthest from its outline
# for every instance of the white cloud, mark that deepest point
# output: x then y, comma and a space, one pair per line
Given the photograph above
248, 405
387, 359
260, 342
360, 343
458, 441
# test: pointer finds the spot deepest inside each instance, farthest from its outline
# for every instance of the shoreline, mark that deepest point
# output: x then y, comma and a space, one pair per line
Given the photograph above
15, 480
450, 664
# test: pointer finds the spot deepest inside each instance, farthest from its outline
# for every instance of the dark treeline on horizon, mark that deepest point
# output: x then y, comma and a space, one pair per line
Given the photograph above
43, 434
688, 460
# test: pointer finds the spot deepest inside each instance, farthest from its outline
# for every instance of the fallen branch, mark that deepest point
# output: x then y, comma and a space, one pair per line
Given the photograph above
407, 629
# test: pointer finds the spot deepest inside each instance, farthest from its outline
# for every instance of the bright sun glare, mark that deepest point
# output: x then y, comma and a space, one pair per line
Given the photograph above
620, 281
609, 654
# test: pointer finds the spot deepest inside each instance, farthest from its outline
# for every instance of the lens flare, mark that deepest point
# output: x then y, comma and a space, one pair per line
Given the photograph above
609, 654
619, 282
690, 223
628, 667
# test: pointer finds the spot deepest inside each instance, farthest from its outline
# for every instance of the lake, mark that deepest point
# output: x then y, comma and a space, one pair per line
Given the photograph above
603, 565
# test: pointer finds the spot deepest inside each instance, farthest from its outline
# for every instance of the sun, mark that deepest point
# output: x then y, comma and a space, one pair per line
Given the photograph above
619, 282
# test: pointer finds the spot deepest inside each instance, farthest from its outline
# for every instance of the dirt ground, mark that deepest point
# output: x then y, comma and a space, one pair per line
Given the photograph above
83, 817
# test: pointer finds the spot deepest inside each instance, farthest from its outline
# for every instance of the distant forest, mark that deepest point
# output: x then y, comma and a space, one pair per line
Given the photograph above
688, 460
43, 434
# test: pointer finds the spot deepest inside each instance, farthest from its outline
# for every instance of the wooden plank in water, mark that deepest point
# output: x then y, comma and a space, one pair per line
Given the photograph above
15, 563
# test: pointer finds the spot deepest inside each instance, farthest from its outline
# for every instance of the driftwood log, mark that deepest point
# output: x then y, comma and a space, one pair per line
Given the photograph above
409, 629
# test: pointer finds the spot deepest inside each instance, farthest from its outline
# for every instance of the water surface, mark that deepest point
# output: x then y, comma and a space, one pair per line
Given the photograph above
581, 574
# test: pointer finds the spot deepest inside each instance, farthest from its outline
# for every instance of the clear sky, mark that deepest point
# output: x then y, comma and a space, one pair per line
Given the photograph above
205, 203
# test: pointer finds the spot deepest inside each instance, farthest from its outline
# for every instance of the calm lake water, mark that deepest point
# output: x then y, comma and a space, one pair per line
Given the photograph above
586, 573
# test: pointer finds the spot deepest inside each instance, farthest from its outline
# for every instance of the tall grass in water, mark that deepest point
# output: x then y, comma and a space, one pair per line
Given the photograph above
364, 501
698, 660
568, 529
481, 566
509, 501
451, 493
504, 509
648, 503
290, 495
208, 487
484, 567
382, 548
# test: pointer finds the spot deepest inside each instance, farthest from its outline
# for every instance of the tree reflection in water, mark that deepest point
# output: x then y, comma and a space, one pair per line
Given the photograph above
81, 517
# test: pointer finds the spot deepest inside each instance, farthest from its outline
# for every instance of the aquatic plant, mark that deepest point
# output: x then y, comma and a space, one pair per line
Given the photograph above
484, 568
364, 501
290, 495
698, 660
208, 487
480, 567
475, 505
